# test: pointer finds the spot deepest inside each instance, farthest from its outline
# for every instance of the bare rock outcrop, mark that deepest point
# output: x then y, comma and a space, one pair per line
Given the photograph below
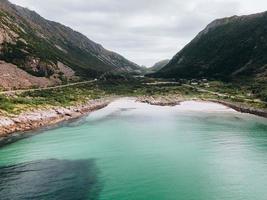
161, 100
66, 71
12, 77
40, 118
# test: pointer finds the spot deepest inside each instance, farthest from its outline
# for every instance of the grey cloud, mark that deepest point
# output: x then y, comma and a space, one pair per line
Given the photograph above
144, 31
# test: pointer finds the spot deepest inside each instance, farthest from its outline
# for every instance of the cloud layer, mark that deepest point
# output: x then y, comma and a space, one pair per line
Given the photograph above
144, 31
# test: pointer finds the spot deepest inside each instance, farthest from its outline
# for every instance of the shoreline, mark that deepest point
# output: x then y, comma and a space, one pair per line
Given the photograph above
18, 126
243, 109
174, 101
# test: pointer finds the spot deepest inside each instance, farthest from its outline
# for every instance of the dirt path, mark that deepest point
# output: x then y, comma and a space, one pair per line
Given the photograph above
224, 94
47, 88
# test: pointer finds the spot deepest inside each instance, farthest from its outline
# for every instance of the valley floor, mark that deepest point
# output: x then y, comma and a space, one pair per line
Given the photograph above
32, 109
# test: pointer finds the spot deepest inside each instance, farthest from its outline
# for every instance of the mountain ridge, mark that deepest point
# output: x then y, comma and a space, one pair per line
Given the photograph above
227, 48
159, 65
37, 45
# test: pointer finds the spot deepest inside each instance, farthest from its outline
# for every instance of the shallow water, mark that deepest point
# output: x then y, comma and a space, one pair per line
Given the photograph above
136, 151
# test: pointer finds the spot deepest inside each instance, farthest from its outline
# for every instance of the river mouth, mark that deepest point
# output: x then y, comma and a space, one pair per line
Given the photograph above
131, 150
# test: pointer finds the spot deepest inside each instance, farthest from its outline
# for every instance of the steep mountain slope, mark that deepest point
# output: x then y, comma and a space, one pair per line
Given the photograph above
43, 48
11, 77
159, 65
227, 48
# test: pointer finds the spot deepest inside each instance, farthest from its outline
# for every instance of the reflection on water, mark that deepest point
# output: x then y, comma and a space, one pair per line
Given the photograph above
50, 180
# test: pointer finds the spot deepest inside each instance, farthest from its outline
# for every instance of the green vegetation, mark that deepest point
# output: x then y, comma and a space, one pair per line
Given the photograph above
127, 86
227, 49
250, 93
72, 95
6, 104
48, 98
32, 37
231, 51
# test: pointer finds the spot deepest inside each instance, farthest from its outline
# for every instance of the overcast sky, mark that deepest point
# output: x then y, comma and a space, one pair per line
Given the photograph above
144, 31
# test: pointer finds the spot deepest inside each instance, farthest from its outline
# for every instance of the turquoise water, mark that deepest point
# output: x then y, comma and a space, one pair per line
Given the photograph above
133, 151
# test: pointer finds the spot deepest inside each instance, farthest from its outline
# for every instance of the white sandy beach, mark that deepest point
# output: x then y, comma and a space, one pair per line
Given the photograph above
131, 106
203, 106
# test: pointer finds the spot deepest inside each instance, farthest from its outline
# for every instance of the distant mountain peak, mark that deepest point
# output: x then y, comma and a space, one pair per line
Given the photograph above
223, 21
158, 66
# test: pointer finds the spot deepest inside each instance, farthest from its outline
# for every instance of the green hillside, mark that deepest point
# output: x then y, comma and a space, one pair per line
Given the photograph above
227, 48
37, 45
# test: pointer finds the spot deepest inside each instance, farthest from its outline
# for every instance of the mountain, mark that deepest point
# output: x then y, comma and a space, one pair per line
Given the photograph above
159, 65
48, 49
228, 48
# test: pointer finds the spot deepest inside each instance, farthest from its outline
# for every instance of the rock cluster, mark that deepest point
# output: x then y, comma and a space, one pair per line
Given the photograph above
161, 100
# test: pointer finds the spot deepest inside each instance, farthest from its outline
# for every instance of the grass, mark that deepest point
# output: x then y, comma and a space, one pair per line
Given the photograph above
49, 98
6, 104
250, 93
135, 87
81, 93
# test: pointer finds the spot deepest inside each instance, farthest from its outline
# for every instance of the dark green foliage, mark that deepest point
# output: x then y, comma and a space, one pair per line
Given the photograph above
62, 96
13, 53
6, 104
233, 50
236, 47
259, 89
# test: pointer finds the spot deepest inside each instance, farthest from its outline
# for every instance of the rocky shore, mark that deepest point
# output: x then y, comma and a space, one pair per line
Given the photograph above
18, 125
243, 109
42, 118
176, 100
160, 100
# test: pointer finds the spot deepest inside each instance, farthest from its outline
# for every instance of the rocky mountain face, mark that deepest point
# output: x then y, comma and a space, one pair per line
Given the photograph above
48, 49
228, 48
158, 66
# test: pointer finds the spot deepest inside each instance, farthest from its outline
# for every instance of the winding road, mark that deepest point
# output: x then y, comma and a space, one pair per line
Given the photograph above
224, 95
10, 92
